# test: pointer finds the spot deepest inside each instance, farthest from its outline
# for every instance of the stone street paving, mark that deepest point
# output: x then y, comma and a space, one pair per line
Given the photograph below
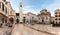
46, 28
20, 29
27, 29
5, 31
24, 29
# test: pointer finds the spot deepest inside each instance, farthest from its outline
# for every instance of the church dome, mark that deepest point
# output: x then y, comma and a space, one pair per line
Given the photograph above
44, 12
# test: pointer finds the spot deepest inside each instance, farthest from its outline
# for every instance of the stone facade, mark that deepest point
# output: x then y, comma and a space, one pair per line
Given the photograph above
6, 11
44, 16
57, 16
52, 19
20, 13
25, 18
17, 18
31, 18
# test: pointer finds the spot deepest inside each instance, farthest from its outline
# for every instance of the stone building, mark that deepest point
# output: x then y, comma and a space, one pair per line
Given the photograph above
57, 16
25, 18
17, 17
31, 18
6, 12
44, 16
52, 19
11, 15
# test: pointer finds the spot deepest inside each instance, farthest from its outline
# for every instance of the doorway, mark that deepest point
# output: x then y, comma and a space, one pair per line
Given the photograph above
17, 20
24, 19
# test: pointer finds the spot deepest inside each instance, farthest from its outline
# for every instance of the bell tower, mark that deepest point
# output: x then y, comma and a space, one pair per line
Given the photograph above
20, 12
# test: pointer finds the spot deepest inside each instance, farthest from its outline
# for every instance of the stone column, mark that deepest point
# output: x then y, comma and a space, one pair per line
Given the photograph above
1, 6
4, 9
14, 21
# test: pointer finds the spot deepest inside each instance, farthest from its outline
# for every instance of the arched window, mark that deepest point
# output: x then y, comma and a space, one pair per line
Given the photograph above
11, 20
56, 15
56, 19
55, 12
2, 20
56, 22
6, 10
42, 20
2, 7
5, 20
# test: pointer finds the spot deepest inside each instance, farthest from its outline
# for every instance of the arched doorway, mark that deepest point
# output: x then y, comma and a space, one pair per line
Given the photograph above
24, 19
43, 21
11, 20
17, 20
10, 23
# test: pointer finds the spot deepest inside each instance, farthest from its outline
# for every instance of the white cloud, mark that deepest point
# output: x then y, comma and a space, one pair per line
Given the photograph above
29, 9
52, 7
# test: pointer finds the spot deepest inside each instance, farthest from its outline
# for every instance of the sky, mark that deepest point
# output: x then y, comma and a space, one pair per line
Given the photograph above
35, 6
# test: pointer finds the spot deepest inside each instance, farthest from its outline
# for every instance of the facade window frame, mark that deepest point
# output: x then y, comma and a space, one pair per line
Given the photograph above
46, 17
59, 15
5, 20
56, 22
20, 5
56, 19
59, 18
2, 7
6, 9
2, 20
56, 13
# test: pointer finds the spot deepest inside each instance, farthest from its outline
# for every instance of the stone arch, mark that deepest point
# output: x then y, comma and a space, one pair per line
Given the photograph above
24, 19
17, 20
11, 20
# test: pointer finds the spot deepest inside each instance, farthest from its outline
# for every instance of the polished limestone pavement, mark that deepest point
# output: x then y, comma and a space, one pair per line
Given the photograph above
22, 29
